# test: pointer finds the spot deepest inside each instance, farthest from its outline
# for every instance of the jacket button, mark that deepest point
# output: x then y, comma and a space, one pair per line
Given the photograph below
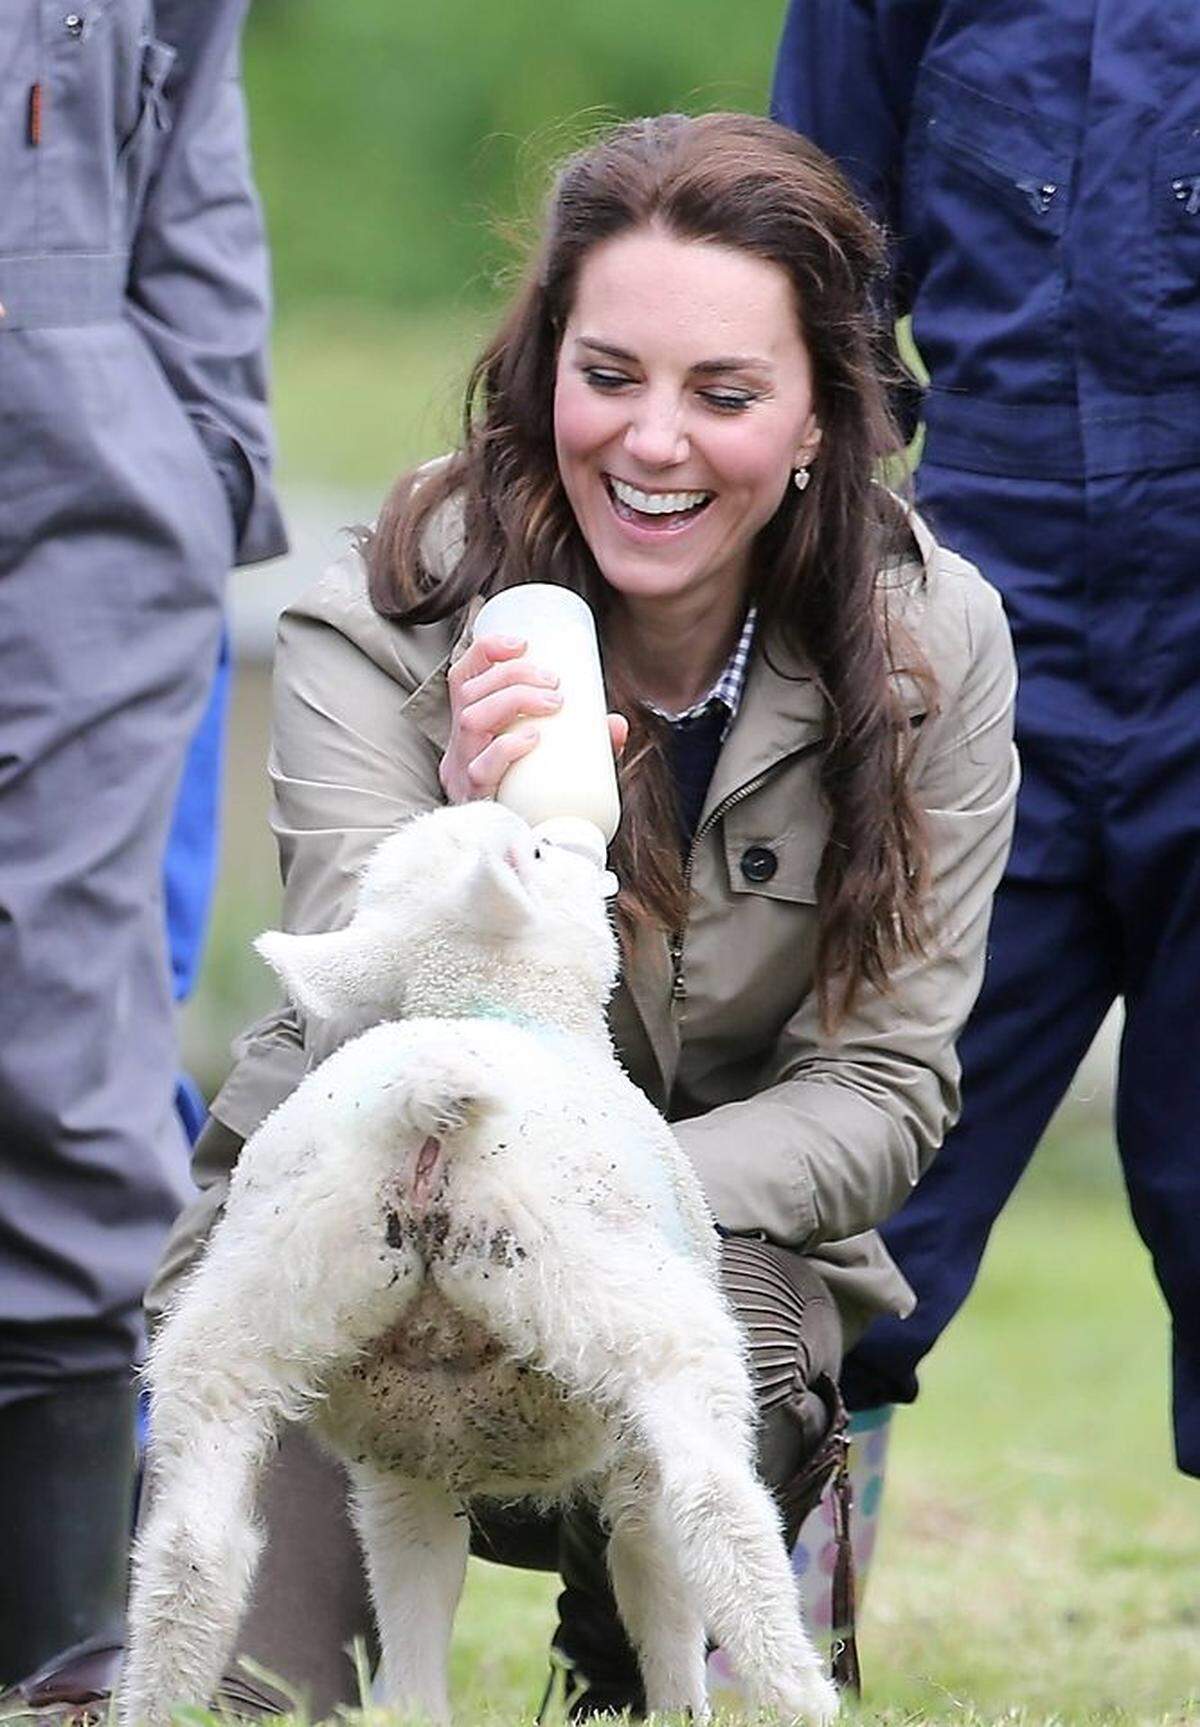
759, 863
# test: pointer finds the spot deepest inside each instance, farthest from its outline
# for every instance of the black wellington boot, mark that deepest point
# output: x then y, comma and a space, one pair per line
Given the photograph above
67, 1472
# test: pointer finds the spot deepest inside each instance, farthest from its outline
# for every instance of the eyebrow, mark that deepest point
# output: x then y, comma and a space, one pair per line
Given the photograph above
725, 363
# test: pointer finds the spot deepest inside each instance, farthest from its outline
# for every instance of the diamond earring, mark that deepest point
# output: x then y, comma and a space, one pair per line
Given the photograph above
800, 478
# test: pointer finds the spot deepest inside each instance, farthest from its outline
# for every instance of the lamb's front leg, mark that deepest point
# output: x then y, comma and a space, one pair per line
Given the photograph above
415, 1536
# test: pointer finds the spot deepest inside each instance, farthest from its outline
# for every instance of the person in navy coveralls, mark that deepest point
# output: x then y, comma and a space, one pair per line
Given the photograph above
1039, 167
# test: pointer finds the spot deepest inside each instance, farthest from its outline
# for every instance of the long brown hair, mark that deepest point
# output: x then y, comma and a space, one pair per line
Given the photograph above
743, 182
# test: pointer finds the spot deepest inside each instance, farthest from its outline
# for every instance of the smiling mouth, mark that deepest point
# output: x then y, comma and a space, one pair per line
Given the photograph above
659, 512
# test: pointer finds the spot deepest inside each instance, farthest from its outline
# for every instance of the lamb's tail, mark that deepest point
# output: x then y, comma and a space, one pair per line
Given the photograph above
448, 1091
451, 1091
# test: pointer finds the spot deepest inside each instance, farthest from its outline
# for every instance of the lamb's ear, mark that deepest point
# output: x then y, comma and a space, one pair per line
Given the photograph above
323, 974
495, 900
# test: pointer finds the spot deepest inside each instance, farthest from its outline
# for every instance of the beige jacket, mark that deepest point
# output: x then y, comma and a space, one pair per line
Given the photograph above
809, 1138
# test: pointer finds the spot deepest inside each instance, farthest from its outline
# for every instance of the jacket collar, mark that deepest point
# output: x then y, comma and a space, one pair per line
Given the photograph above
429, 705
782, 712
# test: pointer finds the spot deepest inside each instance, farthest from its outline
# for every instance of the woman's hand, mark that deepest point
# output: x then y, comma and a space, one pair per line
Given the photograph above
492, 688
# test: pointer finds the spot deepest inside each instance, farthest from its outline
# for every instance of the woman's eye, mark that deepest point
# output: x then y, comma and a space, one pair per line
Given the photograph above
728, 401
601, 378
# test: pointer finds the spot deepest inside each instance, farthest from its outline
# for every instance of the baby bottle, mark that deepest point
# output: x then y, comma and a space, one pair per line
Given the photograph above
566, 787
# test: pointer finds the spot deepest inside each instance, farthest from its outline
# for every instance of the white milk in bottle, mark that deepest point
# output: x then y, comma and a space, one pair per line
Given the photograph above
566, 787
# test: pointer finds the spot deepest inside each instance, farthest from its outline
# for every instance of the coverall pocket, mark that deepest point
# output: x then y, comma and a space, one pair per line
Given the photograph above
1177, 263
90, 76
987, 194
21, 67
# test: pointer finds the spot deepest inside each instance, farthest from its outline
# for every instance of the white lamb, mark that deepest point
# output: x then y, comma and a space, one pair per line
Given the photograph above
469, 1252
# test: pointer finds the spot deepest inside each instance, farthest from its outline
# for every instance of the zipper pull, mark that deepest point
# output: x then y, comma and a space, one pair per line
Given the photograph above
678, 988
1188, 188
1040, 193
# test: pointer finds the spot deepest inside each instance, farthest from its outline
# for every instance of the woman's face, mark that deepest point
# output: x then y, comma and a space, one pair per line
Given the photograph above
682, 403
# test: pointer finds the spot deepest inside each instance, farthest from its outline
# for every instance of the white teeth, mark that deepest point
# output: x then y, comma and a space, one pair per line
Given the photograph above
657, 503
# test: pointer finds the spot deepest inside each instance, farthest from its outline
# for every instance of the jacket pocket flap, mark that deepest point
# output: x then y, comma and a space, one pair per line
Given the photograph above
773, 863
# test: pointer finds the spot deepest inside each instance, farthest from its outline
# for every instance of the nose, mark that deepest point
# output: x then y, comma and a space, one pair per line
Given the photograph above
655, 435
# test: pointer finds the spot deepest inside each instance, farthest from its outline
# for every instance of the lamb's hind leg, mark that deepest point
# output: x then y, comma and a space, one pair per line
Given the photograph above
193, 1563
657, 1606
415, 1536
731, 1552
663, 1353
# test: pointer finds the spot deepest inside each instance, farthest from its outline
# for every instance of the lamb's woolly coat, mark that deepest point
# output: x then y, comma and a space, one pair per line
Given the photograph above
471, 1253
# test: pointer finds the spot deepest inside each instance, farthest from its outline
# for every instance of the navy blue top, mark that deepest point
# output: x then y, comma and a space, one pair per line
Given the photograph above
695, 745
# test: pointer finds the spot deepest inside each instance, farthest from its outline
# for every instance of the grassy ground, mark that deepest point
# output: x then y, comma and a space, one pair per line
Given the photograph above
361, 394
391, 139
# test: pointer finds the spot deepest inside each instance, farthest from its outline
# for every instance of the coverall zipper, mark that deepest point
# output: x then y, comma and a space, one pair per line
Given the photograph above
1187, 193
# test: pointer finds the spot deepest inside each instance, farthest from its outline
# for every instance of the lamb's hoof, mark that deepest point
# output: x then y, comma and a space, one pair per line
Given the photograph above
814, 1700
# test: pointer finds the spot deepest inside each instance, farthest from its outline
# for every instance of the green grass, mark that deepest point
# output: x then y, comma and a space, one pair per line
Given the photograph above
391, 140
1038, 1548
361, 394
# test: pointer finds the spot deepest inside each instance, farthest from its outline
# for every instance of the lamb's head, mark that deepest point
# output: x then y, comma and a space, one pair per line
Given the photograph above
461, 911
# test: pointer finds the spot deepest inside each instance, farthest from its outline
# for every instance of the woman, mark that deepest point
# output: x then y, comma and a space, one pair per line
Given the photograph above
681, 417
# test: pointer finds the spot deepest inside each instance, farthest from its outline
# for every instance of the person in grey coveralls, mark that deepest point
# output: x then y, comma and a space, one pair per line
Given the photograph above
134, 449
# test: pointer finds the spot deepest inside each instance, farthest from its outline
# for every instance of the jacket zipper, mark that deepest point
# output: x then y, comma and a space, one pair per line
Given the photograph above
678, 986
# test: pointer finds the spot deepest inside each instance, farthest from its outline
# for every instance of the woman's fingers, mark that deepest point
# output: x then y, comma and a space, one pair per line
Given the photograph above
481, 720
492, 689
488, 768
482, 653
502, 674
485, 770
489, 695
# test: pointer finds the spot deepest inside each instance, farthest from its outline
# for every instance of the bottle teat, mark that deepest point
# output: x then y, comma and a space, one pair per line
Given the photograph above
575, 834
